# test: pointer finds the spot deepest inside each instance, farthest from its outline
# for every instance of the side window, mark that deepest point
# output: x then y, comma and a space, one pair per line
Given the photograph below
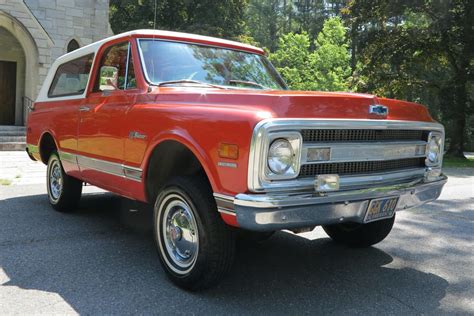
114, 72
71, 77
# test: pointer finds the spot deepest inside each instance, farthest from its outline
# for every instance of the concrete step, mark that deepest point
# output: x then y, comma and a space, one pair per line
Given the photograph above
12, 128
12, 133
12, 138
12, 146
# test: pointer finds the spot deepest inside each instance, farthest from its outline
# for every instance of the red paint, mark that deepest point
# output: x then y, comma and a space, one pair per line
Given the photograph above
200, 119
230, 219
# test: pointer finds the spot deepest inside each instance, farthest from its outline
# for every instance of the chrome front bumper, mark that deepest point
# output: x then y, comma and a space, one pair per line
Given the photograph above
269, 212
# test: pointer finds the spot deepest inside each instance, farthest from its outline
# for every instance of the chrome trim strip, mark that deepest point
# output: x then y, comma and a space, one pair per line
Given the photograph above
100, 165
312, 198
132, 173
352, 152
225, 204
228, 212
129, 47
112, 168
259, 143
65, 156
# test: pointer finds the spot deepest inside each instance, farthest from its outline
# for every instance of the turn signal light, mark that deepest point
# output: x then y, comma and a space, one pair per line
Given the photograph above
229, 151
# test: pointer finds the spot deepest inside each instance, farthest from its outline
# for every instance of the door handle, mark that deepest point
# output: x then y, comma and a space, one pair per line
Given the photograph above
84, 108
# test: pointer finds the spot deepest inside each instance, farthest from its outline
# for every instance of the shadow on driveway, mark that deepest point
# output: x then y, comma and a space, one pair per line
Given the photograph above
102, 260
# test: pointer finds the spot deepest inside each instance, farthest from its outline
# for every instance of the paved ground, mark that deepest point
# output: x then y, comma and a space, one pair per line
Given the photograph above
102, 260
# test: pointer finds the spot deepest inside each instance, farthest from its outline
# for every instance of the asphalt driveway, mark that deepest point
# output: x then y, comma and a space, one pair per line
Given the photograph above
101, 260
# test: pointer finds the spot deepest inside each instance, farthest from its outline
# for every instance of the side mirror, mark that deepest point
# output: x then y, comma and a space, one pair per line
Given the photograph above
108, 78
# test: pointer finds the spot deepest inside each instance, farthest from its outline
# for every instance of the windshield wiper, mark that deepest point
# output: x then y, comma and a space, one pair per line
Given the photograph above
249, 83
171, 82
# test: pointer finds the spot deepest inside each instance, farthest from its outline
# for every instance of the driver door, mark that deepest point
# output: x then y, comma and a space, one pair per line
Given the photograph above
102, 133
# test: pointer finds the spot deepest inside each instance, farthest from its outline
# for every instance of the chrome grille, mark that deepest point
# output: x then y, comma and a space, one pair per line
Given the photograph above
361, 167
363, 135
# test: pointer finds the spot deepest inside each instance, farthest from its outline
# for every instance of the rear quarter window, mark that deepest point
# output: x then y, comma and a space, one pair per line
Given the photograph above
71, 77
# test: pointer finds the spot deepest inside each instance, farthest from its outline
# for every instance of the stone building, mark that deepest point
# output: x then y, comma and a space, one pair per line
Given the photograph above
33, 33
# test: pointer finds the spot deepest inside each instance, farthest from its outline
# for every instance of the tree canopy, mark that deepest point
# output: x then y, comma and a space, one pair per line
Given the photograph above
223, 18
326, 68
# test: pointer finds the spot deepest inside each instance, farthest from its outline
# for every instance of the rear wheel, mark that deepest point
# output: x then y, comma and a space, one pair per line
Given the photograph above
64, 192
360, 235
195, 246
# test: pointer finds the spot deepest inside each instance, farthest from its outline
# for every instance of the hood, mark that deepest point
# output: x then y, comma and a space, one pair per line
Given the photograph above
295, 104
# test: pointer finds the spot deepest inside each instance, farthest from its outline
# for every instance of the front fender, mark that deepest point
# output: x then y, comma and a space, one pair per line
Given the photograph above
182, 136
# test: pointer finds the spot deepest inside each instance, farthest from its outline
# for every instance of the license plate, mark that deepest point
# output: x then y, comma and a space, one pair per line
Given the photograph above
381, 208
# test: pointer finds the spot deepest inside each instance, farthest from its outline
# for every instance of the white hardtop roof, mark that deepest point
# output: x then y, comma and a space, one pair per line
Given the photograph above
92, 48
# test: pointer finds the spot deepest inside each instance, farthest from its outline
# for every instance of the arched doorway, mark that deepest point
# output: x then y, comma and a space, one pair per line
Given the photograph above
19, 69
12, 77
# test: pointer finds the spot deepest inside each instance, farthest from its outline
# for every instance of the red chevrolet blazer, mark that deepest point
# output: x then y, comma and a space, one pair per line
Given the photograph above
207, 131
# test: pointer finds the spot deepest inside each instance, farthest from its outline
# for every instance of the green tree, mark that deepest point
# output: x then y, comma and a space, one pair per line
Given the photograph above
330, 62
292, 60
310, 16
267, 20
223, 18
327, 68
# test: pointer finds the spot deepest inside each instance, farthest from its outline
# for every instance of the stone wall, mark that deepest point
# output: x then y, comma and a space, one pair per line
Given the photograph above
45, 27
86, 21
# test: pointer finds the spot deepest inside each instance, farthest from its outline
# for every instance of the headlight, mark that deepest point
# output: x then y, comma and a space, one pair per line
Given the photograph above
280, 156
434, 149
283, 156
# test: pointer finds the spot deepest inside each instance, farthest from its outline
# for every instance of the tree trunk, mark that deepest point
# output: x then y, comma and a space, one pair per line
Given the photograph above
353, 46
456, 147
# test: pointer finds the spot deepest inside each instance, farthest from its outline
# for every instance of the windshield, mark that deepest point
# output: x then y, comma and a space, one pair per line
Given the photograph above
184, 63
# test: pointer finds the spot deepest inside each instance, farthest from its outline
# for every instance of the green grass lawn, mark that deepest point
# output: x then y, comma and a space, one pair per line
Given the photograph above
458, 162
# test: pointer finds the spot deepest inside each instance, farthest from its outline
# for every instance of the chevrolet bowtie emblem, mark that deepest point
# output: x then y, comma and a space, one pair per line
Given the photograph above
377, 109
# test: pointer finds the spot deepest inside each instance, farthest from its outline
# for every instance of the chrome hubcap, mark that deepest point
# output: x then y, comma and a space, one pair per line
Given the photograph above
55, 181
179, 232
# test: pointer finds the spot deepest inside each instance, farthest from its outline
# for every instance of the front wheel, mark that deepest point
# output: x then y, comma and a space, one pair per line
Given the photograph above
64, 192
360, 235
195, 246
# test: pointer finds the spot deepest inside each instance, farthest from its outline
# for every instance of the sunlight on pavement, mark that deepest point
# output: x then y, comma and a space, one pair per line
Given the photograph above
18, 301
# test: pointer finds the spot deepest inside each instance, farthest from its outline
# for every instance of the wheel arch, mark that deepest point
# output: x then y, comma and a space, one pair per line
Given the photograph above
47, 145
174, 155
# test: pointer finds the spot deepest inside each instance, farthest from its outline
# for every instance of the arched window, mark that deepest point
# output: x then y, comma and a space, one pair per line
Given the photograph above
73, 45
